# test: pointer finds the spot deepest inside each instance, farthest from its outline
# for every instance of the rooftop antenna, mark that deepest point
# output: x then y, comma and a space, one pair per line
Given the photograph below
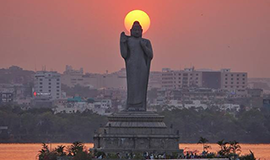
35, 63
43, 68
180, 66
221, 64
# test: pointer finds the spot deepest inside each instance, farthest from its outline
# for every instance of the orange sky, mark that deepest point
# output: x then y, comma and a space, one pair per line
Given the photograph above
85, 33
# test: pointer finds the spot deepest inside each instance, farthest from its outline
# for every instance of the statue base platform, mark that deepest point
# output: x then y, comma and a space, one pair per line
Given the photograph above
136, 132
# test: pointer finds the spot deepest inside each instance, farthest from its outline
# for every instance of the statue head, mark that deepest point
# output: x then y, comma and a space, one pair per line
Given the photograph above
136, 30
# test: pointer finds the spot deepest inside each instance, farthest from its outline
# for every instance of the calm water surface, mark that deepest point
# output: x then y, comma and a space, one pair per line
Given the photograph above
18, 151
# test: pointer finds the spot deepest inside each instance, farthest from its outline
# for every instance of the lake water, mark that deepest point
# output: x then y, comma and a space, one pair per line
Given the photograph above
18, 151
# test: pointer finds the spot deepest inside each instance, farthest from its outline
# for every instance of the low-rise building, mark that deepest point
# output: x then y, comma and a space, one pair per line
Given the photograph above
94, 80
6, 97
77, 104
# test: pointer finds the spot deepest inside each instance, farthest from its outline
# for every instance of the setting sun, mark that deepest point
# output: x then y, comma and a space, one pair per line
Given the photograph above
137, 15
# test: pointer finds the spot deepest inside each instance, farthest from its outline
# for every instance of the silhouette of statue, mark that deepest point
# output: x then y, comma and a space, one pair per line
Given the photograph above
138, 54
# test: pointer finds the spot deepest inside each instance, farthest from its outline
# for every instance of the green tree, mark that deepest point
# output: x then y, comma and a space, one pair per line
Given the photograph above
248, 157
60, 150
203, 141
224, 149
45, 154
76, 147
78, 152
235, 148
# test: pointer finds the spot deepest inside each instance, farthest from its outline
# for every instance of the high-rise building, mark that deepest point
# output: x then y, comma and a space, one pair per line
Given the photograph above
236, 82
154, 80
171, 79
47, 84
233, 80
189, 77
211, 79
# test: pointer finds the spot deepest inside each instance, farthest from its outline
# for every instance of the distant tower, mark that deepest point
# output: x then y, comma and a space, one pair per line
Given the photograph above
81, 70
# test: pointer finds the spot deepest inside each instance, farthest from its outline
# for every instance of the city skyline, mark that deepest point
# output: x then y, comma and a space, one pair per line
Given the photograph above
209, 34
154, 79
81, 69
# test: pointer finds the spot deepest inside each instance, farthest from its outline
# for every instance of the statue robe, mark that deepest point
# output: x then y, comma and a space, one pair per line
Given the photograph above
137, 61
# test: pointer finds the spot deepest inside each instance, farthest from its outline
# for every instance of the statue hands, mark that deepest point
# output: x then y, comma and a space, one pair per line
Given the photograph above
143, 43
147, 48
124, 45
123, 37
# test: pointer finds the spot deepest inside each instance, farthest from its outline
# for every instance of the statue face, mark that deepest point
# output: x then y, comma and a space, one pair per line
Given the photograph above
136, 31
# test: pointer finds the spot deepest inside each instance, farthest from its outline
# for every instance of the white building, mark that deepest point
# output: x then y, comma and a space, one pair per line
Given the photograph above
230, 107
47, 84
100, 107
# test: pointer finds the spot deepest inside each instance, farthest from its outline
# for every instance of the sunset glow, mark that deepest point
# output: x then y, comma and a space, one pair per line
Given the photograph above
137, 15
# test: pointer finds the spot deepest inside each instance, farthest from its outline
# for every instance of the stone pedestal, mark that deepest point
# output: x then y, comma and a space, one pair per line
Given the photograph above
136, 132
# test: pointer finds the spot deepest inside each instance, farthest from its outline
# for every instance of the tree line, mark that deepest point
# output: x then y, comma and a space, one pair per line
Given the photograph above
245, 126
42, 125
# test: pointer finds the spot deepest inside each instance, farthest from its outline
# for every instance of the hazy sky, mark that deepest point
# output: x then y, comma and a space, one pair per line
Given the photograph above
85, 33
